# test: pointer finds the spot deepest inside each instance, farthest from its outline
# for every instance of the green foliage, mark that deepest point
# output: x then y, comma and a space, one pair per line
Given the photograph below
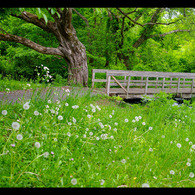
108, 42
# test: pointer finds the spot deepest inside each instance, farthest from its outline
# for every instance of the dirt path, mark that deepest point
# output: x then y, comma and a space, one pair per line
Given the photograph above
52, 93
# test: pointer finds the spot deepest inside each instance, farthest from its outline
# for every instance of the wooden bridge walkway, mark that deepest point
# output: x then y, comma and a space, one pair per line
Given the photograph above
136, 84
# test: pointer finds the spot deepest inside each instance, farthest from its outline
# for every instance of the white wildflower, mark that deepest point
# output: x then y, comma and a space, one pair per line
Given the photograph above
191, 175
73, 181
26, 106
179, 145
36, 113
19, 137
4, 112
15, 125
37, 144
123, 161
102, 182
145, 185
60, 117
46, 154
172, 172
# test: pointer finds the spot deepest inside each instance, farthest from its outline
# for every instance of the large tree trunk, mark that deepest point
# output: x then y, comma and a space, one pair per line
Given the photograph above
74, 51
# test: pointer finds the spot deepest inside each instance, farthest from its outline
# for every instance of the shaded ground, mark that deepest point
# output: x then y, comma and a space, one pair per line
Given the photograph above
51, 93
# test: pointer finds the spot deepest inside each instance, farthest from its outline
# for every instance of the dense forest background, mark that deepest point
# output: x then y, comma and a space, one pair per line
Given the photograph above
114, 39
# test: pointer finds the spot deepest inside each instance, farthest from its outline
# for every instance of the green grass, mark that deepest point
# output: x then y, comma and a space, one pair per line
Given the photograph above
8, 84
126, 154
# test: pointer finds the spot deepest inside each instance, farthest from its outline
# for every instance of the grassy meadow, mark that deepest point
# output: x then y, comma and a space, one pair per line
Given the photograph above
93, 141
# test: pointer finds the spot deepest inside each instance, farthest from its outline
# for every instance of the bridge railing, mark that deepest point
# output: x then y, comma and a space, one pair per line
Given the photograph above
145, 82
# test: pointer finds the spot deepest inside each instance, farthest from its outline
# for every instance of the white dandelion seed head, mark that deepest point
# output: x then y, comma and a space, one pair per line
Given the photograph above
97, 138
143, 123
145, 185
179, 145
55, 139
150, 128
15, 125
150, 149
172, 172
126, 120
74, 120
36, 113
75, 106
60, 117
4, 112
116, 124
73, 181
123, 161
187, 139
193, 146
191, 175
66, 104
188, 164
133, 121
67, 91
102, 182
37, 144
90, 133
19, 137
46, 154
110, 116
84, 136
49, 101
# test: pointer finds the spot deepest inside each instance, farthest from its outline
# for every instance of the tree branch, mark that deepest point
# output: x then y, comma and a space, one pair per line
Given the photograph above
164, 34
129, 17
31, 44
80, 15
31, 18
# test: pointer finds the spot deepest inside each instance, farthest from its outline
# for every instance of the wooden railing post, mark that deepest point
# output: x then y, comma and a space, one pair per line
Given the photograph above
192, 86
108, 85
128, 84
93, 77
178, 85
146, 86
163, 83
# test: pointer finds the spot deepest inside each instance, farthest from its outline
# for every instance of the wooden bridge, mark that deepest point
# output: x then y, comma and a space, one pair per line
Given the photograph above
136, 84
